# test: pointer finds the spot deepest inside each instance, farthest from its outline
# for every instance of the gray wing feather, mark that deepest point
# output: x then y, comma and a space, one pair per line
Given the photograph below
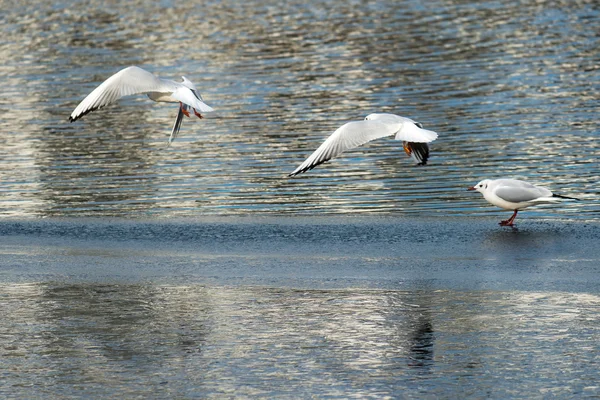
521, 192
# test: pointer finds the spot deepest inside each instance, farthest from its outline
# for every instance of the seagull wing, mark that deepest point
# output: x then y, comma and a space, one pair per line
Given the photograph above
177, 124
410, 132
128, 81
346, 137
519, 191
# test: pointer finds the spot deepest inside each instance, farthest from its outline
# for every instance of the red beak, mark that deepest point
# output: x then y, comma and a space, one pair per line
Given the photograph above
471, 188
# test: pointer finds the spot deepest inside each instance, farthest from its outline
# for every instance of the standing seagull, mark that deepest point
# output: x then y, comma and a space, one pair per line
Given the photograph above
514, 194
135, 80
374, 126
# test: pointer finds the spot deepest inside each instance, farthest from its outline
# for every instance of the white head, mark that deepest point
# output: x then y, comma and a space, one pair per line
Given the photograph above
482, 186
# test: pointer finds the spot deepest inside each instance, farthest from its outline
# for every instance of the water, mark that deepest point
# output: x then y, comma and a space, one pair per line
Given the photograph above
201, 270
511, 88
198, 342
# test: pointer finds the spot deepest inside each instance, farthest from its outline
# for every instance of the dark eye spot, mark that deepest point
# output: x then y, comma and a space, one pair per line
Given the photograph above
420, 125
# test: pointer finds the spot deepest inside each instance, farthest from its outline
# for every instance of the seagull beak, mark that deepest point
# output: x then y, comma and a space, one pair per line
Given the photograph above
471, 188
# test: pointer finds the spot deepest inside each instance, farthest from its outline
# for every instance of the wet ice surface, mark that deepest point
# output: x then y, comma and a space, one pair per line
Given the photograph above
332, 251
299, 307
329, 251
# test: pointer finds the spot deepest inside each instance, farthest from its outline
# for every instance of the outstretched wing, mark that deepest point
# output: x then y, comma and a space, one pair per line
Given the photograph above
346, 137
128, 81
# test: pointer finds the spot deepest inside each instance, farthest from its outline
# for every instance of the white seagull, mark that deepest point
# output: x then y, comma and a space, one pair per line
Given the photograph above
515, 195
135, 80
374, 126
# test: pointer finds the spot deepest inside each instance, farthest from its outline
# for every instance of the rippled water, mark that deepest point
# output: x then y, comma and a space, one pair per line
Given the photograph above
512, 88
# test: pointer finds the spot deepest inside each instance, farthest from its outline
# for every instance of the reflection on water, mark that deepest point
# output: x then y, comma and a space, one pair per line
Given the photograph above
204, 341
510, 87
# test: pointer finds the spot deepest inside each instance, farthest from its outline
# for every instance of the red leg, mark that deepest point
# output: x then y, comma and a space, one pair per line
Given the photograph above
509, 222
183, 110
198, 114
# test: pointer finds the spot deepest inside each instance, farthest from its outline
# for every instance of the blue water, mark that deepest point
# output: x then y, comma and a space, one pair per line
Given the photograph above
133, 269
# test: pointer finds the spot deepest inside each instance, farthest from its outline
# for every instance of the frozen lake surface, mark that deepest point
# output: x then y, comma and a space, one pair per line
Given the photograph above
281, 307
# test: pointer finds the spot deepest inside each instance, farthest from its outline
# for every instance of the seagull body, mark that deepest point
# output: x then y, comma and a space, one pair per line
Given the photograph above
515, 195
135, 80
374, 126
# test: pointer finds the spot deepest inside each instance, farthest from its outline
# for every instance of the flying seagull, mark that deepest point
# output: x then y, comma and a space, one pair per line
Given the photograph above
135, 80
374, 126
515, 195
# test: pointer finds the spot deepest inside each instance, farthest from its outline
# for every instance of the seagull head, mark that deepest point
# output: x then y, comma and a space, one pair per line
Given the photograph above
481, 187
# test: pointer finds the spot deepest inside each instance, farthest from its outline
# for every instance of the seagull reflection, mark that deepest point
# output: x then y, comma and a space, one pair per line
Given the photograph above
421, 346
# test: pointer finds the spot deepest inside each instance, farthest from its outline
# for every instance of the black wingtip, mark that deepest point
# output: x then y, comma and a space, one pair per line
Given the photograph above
296, 173
565, 197
308, 168
86, 112
418, 151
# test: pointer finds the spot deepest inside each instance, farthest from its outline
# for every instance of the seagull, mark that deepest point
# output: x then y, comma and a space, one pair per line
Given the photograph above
515, 195
135, 80
374, 126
